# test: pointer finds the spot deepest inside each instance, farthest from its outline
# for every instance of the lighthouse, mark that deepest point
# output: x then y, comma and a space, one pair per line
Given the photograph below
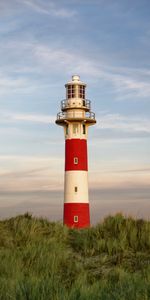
75, 117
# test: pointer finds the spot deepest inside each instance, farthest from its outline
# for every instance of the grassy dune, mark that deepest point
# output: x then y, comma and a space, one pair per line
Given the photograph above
40, 260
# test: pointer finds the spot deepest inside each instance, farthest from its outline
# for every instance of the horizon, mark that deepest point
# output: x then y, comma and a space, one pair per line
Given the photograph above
104, 202
43, 43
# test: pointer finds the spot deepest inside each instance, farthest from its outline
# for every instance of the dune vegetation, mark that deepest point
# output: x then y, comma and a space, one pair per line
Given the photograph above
42, 260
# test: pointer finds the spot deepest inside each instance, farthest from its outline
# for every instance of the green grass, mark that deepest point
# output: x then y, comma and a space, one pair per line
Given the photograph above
41, 260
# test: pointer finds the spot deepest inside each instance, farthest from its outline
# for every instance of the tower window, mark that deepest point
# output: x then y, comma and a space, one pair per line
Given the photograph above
67, 129
71, 91
84, 129
75, 128
75, 219
75, 189
82, 91
84, 103
75, 160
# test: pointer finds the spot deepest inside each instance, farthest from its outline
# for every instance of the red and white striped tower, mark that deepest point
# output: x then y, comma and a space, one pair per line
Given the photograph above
75, 117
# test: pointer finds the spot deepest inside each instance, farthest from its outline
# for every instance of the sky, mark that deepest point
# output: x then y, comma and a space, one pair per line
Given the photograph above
42, 44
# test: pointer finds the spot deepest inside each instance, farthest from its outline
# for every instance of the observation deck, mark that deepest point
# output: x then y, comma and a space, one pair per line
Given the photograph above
75, 103
87, 117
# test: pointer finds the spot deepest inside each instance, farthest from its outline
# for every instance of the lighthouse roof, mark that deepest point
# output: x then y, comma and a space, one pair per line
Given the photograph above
75, 80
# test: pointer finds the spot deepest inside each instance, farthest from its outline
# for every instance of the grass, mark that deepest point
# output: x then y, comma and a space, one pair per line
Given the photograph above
41, 260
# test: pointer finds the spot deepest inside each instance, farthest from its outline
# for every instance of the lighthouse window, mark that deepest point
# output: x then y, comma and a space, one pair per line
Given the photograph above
75, 160
84, 129
82, 91
75, 128
75, 219
71, 91
67, 129
75, 189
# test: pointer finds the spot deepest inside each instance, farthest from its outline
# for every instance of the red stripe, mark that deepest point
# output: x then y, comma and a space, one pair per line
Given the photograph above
80, 210
76, 148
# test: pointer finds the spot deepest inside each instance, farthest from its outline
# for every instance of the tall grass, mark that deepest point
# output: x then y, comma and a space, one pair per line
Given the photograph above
41, 260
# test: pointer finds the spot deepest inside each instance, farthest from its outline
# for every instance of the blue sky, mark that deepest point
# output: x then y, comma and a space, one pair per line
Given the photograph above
42, 44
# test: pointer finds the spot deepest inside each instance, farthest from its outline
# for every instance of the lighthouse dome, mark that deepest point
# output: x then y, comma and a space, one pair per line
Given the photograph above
75, 78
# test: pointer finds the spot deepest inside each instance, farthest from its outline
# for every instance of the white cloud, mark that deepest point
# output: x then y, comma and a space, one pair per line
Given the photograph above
20, 172
42, 7
36, 118
46, 119
12, 83
49, 9
124, 123
47, 59
30, 158
126, 82
128, 85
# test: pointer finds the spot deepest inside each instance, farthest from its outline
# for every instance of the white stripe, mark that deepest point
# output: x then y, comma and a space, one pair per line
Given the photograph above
73, 180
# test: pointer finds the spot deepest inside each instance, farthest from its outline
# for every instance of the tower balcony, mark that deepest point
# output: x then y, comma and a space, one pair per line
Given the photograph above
75, 103
87, 117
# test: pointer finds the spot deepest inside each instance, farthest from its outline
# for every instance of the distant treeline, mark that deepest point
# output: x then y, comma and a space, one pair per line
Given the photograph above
42, 260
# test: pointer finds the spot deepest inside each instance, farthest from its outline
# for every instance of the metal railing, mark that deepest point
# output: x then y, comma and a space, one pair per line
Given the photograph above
68, 104
75, 115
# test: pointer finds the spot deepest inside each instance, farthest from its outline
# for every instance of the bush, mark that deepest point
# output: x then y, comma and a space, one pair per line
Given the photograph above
41, 260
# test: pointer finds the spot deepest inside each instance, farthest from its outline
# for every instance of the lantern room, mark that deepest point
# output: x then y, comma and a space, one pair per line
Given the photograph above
75, 88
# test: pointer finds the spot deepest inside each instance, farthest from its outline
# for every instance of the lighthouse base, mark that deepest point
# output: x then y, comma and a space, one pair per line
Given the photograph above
76, 215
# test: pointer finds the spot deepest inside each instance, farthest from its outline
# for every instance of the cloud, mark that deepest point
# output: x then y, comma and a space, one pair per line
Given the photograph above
49, 8
133, 201
12, 83
126, 82
124, 123
30, 158
136, 170
8, 117
22, 172
105, 121
41, 60
54, 58
29, 173
59, 56
127, 86
45, 119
